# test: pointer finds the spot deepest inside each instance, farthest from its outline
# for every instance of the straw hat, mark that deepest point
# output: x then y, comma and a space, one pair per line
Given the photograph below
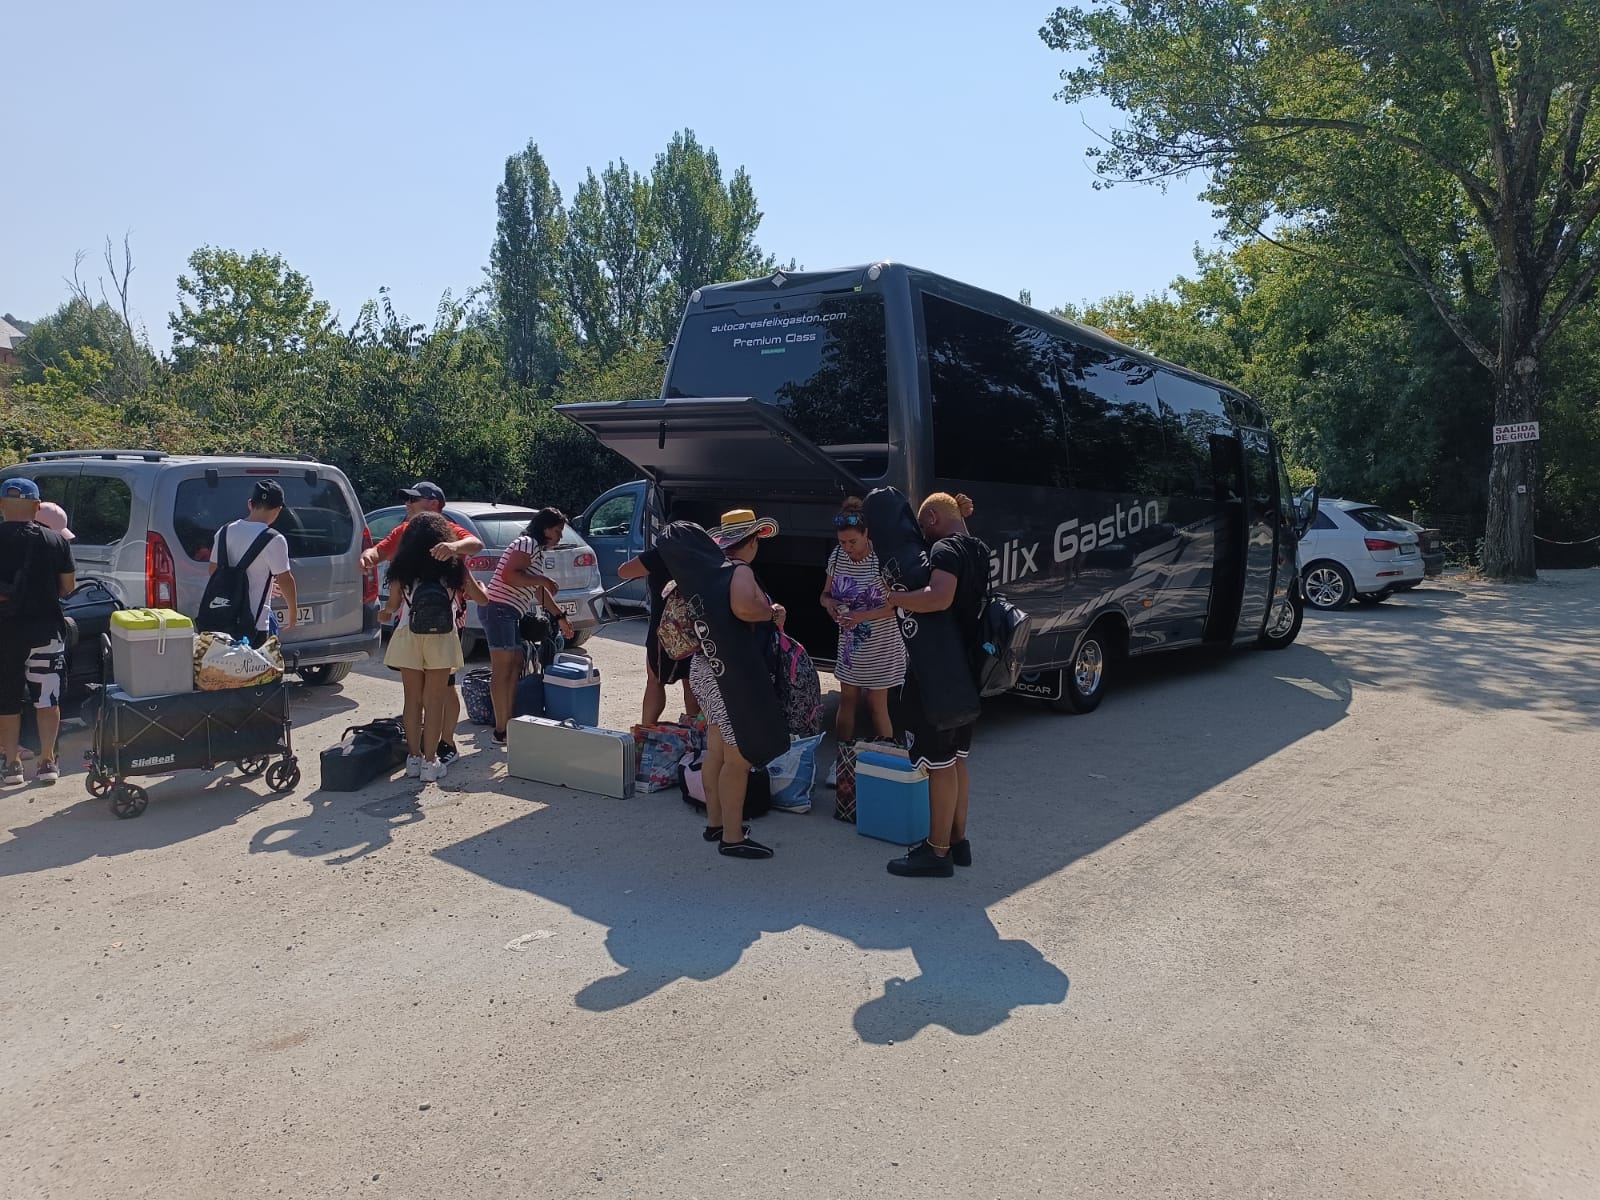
741, 523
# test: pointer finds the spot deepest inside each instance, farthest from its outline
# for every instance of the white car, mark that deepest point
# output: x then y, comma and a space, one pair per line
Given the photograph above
1355, 551
572, 565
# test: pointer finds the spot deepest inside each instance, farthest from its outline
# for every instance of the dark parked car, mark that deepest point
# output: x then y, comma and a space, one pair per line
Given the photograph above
1432, 543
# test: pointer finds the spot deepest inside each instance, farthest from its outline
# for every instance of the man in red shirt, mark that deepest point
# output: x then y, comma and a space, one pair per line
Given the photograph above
420, 498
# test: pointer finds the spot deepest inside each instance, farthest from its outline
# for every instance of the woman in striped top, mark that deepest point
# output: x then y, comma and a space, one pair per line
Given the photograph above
518, 587
872, 656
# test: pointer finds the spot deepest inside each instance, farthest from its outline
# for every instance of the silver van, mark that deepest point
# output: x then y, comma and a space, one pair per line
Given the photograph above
145, 520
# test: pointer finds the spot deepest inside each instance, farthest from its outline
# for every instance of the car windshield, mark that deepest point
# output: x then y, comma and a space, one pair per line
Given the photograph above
1376, 520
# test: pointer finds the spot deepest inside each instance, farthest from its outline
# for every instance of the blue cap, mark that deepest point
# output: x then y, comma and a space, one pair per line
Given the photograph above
19, 489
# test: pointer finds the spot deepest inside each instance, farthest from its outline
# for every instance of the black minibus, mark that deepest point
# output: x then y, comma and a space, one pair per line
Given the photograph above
1131, 505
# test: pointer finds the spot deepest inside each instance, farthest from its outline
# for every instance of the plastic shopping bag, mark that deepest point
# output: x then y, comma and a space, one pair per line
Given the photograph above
793, 774
220, 663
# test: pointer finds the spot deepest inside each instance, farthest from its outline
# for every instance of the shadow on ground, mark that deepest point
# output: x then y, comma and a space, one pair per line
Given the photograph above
1047, 791
1480, 646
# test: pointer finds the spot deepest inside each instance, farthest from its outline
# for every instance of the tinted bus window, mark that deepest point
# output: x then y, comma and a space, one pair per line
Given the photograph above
1190, 414
996, 409
1112, 422
826, 367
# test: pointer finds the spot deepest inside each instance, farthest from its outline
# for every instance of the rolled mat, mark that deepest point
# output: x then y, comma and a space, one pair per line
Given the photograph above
935, 653
735, 648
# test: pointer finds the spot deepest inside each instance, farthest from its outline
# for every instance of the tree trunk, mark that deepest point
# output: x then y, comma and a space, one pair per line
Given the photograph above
1513, 471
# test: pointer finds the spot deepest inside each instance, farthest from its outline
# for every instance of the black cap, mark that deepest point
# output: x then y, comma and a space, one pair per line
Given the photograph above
268, 494
424, 491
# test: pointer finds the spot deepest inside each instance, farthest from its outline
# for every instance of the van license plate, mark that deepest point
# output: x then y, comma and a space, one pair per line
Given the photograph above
570, 607
302, 616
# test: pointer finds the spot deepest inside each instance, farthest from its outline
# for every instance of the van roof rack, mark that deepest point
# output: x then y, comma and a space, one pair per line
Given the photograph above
57, 455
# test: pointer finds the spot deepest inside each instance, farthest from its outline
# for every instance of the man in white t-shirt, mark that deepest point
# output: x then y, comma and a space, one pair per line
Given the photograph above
272, 564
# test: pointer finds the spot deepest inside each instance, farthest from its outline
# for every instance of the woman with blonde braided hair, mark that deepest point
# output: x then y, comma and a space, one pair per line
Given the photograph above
959, 583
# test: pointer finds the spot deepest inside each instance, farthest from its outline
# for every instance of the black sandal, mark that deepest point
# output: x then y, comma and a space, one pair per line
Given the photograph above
713, 833
744, 849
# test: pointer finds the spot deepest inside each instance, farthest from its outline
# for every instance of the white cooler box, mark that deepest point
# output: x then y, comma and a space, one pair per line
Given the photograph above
152, 651
571, 755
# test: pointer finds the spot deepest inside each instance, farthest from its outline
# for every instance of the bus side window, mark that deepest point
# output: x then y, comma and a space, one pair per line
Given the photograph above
996, 410
1114, 429
1191, 413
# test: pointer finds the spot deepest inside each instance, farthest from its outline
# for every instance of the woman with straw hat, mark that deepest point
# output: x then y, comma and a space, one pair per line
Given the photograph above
727, 770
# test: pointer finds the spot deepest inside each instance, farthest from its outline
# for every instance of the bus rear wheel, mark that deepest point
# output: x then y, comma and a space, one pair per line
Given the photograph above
1084, 679
1283, 623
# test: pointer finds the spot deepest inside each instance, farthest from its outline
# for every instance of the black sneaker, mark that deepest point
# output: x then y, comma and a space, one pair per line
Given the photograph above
961, 853
713, 833
744, 849
448, 753
499, 737
921, 860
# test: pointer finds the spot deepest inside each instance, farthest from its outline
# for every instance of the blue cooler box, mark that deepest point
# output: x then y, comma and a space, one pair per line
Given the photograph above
572, 690
891, 798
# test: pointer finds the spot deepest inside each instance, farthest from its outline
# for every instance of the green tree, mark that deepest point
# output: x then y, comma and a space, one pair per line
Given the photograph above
612, 264
1439, 137
232, 304
80, 325
706, 227
524, 267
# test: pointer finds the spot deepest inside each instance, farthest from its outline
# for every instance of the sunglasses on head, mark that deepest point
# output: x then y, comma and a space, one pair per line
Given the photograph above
848, 521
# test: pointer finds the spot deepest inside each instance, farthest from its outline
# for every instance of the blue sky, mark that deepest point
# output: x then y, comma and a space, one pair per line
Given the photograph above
363, 141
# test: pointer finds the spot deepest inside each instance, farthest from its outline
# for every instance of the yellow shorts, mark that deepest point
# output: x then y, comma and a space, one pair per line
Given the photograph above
423, 651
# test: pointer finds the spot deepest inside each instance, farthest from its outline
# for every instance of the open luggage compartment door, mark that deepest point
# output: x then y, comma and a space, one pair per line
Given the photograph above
721, 445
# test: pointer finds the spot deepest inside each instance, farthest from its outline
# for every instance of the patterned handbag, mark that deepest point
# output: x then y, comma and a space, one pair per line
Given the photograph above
675, 632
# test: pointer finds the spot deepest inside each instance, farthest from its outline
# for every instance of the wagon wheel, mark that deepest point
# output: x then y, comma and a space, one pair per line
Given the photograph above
252, 767
97, 783
283, 776
128, 800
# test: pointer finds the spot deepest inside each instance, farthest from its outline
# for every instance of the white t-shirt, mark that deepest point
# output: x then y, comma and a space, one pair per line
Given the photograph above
273, 560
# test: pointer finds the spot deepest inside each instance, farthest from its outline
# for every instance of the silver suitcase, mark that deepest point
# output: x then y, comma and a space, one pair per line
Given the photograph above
571, 755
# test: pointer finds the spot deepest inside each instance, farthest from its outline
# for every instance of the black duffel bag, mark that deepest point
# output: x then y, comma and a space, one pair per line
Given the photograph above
364, 753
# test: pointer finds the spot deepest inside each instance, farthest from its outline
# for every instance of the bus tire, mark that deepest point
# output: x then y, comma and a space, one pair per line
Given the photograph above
1282, 628
1084, 679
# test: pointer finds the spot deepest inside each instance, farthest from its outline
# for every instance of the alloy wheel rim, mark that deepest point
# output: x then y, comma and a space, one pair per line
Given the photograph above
1282, 619
1086, 672
1324, 587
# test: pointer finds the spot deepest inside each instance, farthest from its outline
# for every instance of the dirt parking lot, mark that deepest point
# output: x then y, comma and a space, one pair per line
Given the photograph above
1314, 923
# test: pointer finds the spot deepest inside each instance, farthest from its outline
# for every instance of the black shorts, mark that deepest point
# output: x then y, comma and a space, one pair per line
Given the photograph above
930, 748
31, 675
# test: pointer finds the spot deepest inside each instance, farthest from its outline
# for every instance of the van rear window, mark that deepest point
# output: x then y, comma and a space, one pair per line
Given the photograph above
826, 367
316, 519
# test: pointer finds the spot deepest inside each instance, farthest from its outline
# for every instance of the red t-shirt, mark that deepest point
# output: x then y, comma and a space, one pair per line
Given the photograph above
391, 540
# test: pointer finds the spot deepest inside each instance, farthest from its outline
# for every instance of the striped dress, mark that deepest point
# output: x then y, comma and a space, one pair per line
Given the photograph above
873, 655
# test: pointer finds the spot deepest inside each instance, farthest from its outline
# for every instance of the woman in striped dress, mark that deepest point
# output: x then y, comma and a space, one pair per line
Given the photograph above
519, 586
871, 657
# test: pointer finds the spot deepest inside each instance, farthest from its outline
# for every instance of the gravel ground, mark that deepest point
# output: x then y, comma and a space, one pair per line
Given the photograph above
1314, 923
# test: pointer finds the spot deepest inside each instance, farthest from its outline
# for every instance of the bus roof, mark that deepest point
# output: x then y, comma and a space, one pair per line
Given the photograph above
871, 276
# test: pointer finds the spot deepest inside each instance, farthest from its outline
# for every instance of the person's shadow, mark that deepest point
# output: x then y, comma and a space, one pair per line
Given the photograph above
342, 831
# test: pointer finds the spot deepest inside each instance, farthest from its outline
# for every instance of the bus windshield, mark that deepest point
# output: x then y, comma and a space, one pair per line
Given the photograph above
826, 366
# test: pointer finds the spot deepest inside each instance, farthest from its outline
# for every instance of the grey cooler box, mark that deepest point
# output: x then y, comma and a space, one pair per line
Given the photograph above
571, 755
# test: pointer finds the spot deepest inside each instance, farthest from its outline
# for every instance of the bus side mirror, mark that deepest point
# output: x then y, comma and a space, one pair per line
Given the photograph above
1305, 508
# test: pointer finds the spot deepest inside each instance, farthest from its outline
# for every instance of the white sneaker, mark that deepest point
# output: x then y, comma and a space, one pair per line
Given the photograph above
413, 766
434, 772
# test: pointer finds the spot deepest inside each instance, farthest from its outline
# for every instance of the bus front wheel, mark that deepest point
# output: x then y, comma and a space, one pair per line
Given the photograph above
1085, 678
1283, 622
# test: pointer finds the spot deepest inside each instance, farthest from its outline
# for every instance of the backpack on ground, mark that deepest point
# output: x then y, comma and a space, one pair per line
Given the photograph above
1003, 634
432, 609
227, 605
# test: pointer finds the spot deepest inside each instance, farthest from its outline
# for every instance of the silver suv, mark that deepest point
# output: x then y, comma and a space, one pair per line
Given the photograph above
144, 522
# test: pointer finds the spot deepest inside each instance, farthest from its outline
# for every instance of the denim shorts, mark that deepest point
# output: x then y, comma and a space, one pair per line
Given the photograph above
500, 625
